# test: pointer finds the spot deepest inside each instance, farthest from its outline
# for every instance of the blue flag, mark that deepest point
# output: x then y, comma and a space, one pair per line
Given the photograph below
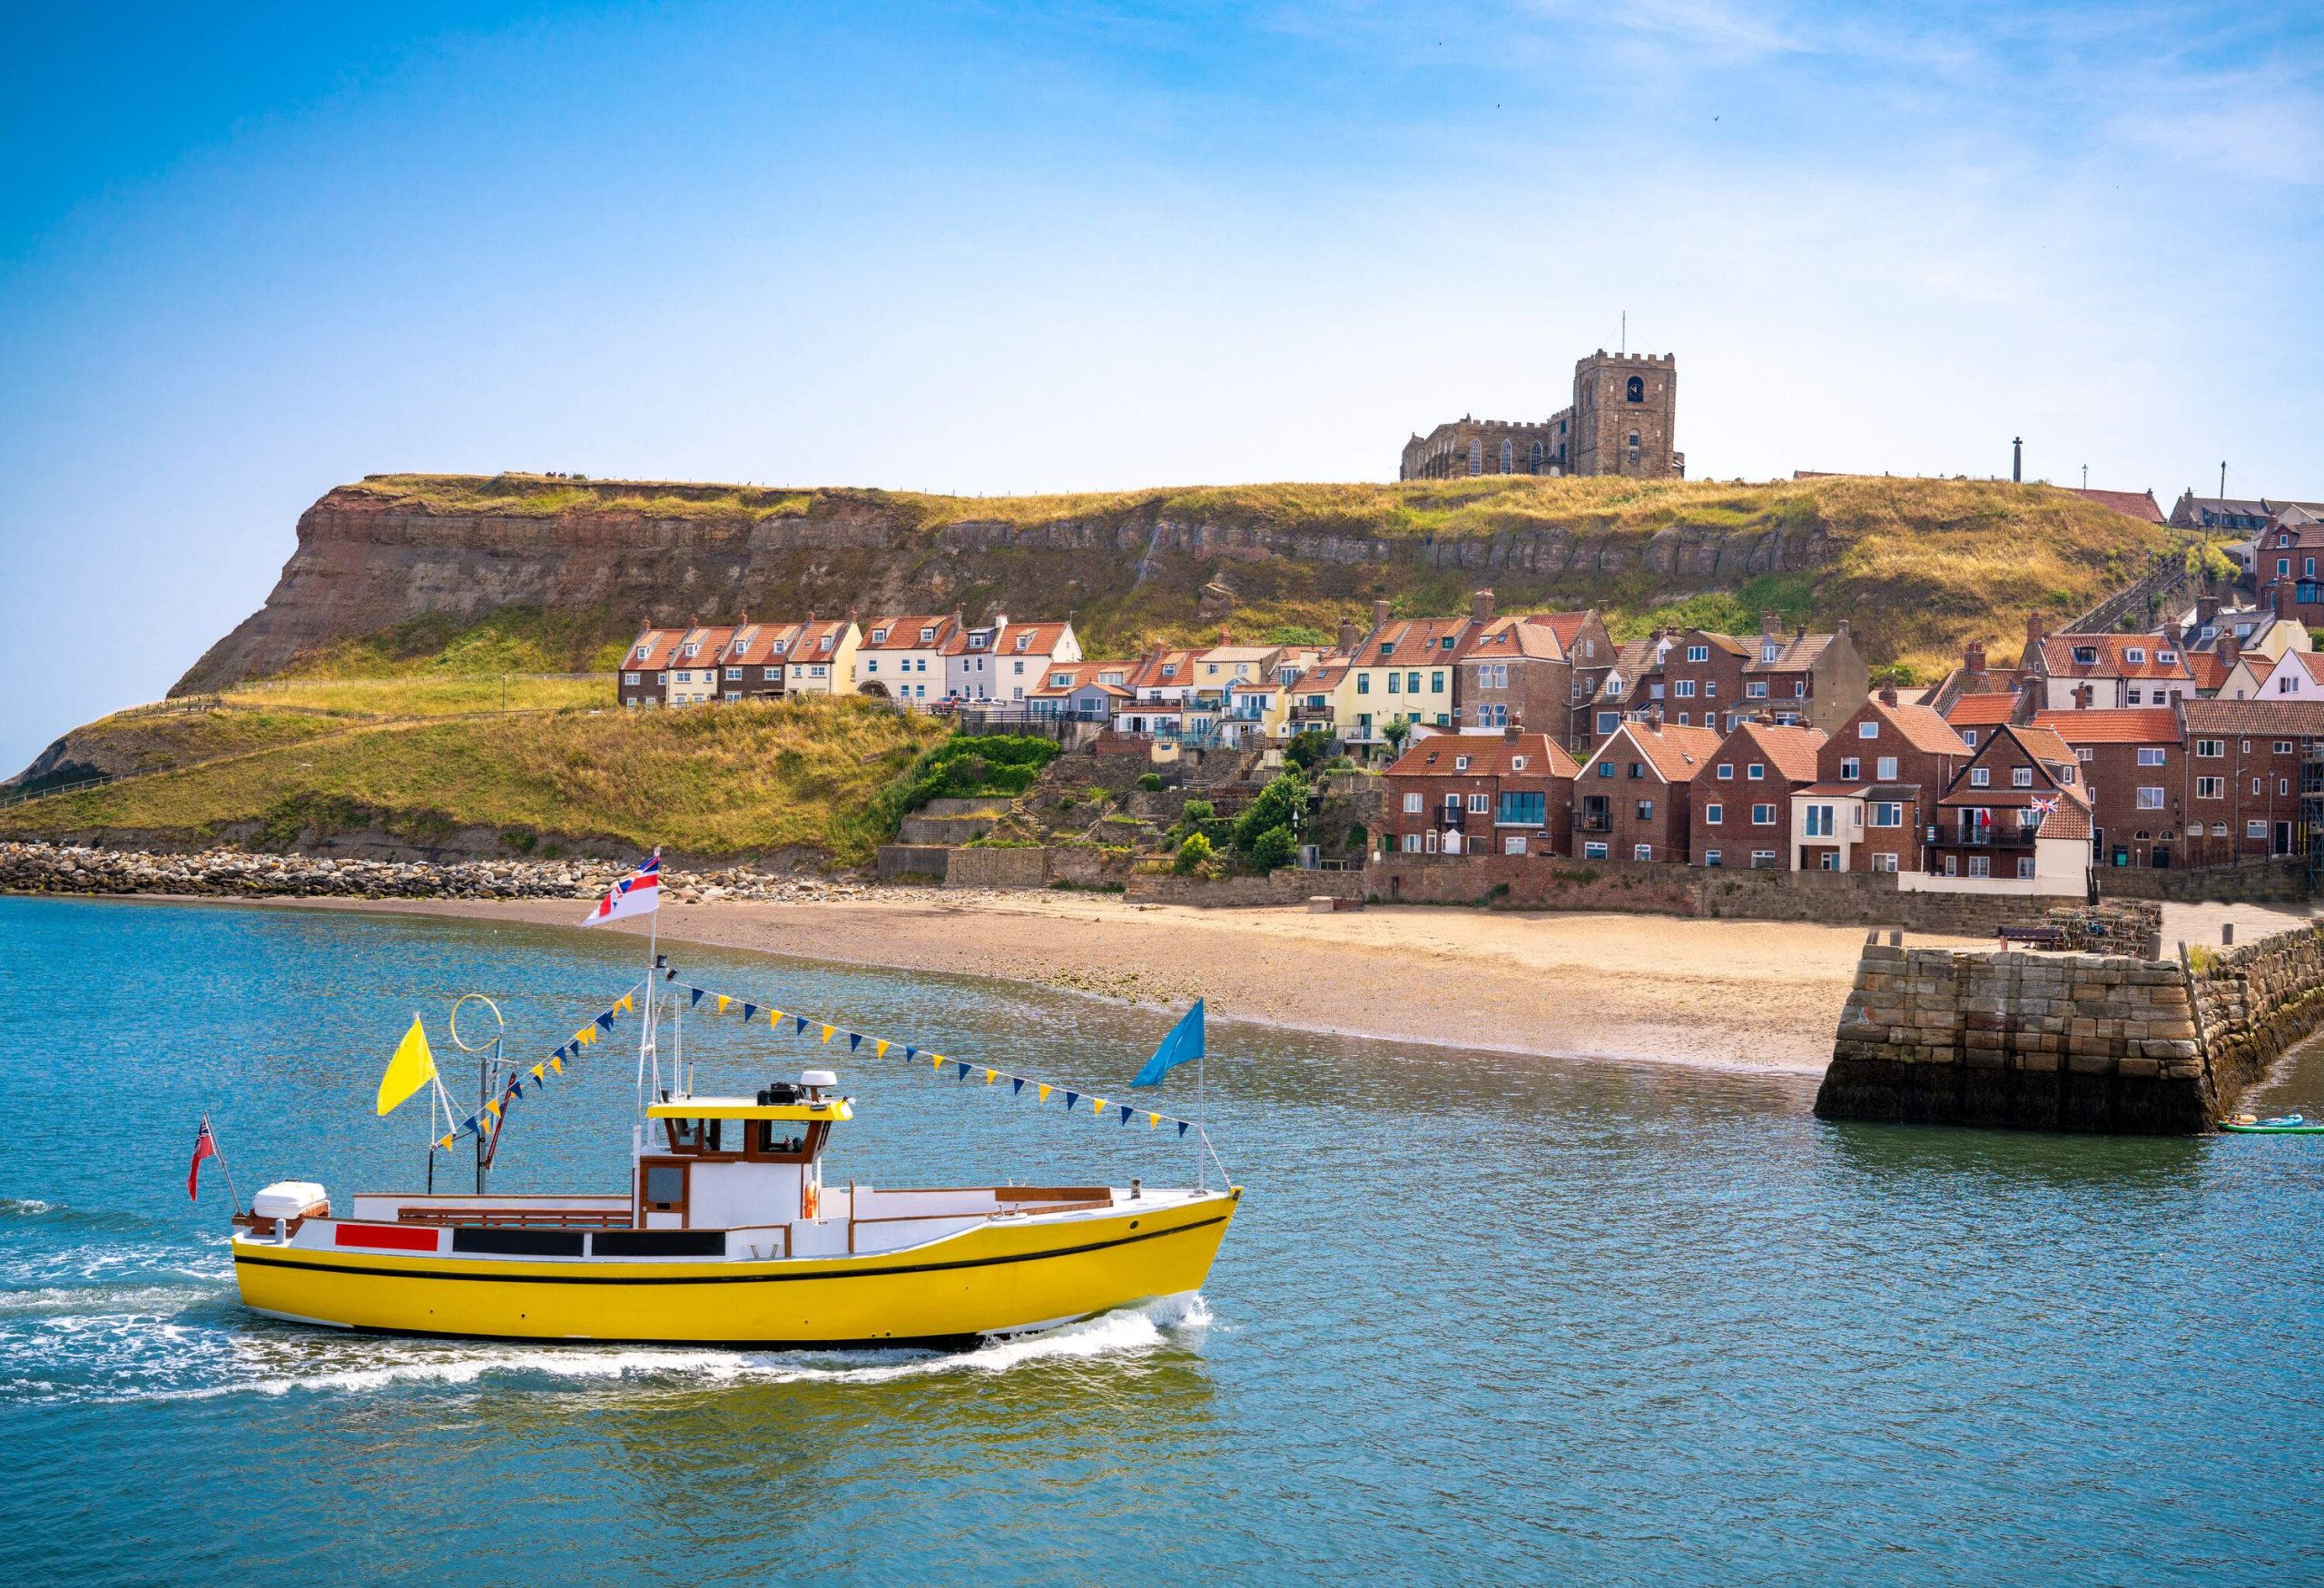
911, 1053
961, 1068
1184, 1042
855, 1040
749, 1010
696, 999
798, 1024
1016, 1084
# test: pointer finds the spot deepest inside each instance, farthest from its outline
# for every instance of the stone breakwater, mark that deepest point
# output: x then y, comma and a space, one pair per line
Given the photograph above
44, 868
2068, 1041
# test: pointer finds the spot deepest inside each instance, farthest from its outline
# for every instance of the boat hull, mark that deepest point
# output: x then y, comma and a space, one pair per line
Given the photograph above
1001, 1277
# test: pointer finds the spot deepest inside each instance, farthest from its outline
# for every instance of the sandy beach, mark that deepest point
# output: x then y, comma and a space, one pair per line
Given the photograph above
1733, 993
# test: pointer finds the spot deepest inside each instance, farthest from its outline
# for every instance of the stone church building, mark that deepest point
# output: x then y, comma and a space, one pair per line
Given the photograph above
1620, 423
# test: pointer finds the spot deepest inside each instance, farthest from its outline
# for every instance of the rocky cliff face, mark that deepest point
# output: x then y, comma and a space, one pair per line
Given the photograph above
384, 552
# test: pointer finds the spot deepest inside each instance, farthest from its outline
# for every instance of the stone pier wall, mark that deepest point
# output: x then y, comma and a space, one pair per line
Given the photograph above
2067, 1041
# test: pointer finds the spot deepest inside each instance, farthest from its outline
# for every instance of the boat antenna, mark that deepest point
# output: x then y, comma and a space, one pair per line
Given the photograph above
488, 1062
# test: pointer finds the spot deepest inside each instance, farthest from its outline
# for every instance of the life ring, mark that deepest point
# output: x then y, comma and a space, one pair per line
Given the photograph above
807, 1199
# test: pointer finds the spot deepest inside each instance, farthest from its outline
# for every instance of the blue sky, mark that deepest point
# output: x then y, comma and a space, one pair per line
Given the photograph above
248, 253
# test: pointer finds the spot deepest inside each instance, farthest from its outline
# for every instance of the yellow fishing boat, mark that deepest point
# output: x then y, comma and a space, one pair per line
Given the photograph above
728, 1233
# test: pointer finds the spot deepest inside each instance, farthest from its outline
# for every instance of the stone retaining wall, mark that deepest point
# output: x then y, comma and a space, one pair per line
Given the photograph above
2272, 882
2068, 1041
996, 868
1282, 887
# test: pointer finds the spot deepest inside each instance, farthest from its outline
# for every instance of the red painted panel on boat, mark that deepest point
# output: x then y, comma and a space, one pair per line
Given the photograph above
394, 1238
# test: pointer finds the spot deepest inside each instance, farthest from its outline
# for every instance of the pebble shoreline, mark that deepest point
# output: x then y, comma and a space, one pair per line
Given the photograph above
45, 868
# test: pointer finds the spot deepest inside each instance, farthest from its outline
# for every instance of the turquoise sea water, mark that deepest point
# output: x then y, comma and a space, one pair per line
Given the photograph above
1481, 1320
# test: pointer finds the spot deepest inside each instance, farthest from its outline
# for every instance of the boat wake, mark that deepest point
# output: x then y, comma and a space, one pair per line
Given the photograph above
271, 1360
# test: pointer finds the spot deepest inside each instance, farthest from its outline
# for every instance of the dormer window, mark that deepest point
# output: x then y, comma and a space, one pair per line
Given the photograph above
690, 647
1024, 641
879, 637
1169, 669
1388, 648
2085, 655
826, 644
2166, 658
1766, 653
1459, 763
926, 637
2135, 656
777, 647
1698, 653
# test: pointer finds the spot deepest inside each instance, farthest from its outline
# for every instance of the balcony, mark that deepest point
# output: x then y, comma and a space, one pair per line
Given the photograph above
1594, 822
1994, 838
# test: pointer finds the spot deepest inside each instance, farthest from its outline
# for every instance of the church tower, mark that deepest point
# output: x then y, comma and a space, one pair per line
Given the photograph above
1625, 410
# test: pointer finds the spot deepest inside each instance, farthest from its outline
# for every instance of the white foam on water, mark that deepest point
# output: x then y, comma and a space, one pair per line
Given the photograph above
23, 1207
391, 1364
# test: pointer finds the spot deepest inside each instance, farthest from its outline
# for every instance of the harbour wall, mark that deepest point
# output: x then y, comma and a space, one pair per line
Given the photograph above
2068, 1041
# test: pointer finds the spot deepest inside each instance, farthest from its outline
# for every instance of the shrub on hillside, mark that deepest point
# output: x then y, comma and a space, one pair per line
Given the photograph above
1306, 748
1272, 848
1151, 782
1192, 854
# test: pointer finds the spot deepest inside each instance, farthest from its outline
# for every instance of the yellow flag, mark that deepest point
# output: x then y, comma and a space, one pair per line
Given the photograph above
412, 1068
493, 1108
990, 1076
827, 1032
537, 1074
1097, 1106
1045, 1094
936, 1060
445, 1144
556, 1066
1154, 1121
879, 1048
774, 1018
626, 1002
722, 1002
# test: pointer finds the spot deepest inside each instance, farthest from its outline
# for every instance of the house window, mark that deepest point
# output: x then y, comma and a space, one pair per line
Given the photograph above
2255, 829
2283, 746
1412, 843
2208, 749
1436, 683
1711, 857
770, 674
1763, 816
2135, 656
2148, 756
1819, 821
1698, 653
1979, 776
2021, 777
1755, 690
1714, 813
1477, 804
629, 677
1867, 729
1594, 850
1642, 852
1851, 769
2024, 865
1522, 810
1684, 689
1969, 737
1608, 720
1952, 865
1883, 863
2210, 788
1887, 769
1726, 771
734, 675
1887, 813
1755, 772
1980, 865
1412, 804
1645, 810
2085, 655
2149, 799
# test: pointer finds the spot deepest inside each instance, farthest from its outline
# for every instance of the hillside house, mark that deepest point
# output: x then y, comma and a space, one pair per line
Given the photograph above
1084, 691
1464, 794
819, 659
1740, 812
1517, 669
1813, 680
1025, 654
1632, 800
2120, 670
753, 665
968, 659
2134, 774
1401, 671
694, 669
2016, 814
1873, 806
644, 681
902, 658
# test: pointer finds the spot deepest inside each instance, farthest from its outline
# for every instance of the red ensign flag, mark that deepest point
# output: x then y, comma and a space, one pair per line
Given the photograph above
203, 1147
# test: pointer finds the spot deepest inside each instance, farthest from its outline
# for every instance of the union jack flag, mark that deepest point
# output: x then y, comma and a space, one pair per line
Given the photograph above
2044, 803
635, 894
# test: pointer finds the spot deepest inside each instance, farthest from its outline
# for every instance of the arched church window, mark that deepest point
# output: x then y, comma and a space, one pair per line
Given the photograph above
1508, 452
1637, 390
1476, 457
1536, 459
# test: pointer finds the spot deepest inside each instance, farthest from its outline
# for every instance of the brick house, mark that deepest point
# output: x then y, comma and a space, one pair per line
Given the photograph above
1878, 782
645, 677
753, 664
1739, 814
2243, 770
2134, 773
1975, 716
1993, 823
1814, 680
1621, 690
1467, 794
1632, 800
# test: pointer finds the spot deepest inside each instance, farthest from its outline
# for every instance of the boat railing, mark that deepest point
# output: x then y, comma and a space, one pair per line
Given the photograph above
518, 1218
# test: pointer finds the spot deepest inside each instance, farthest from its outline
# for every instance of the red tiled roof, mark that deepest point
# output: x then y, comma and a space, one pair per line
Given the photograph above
708, 644
2131, 725
1412, 641
2275, 718
1676, 753
2208, 669
2137, 504
1566, 626
1489, 756
1031, 639
1922, 728
1794, 653
657, 643
902, 633
2112, 659
1982, 711
1505, 638
754, 643
811, 647
1148, 674
1790, 750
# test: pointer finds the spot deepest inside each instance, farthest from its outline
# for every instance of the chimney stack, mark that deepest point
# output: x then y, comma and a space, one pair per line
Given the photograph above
1379, 613
1481, 605
1973, 657
2173, 635
2085, 696
2206, 609
2032, 639
1842, 630
2230, 649
1887, 694
2283, 602
1516, 726
1770, 625
1349, 639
